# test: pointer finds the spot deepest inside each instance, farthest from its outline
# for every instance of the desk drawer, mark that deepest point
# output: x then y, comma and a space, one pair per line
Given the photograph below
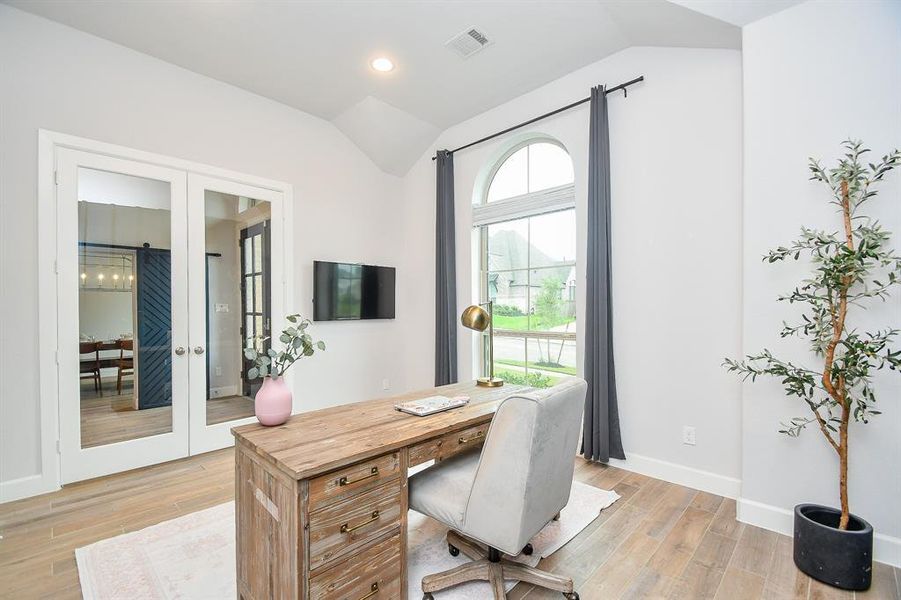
373, 574
353, 480
449, 444
341, 528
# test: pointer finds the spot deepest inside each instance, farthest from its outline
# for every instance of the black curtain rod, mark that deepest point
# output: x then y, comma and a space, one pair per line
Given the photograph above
621, 86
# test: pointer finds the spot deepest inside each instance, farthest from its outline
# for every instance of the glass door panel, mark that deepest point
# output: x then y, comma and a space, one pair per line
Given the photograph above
237, 281
123, 393
234, 224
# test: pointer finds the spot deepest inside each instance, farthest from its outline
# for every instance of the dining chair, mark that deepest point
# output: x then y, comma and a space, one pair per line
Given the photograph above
126, 364
90, 367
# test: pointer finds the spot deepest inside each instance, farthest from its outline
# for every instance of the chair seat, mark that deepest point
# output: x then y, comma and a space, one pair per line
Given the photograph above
442, 491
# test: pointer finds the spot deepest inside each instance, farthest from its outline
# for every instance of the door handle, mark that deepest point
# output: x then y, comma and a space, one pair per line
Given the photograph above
198, 349
180, 351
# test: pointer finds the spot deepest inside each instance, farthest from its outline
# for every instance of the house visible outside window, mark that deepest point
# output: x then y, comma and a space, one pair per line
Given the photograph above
527, 231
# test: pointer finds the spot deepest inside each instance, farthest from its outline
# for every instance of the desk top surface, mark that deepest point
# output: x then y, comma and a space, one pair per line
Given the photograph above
316, 442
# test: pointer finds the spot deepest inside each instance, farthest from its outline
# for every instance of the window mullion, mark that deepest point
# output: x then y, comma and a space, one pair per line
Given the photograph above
528, 287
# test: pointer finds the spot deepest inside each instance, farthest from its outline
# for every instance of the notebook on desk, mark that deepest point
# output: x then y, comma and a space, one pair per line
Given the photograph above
431, 405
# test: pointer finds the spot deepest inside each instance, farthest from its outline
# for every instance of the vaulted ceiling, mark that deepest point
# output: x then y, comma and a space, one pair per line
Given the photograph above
314, 55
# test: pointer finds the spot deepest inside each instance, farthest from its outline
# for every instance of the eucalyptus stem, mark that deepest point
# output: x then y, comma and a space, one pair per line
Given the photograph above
297, 344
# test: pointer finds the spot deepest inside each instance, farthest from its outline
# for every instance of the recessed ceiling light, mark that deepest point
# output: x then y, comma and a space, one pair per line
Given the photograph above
382, 64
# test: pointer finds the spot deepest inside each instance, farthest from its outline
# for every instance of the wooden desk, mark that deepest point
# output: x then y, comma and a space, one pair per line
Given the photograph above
321, 501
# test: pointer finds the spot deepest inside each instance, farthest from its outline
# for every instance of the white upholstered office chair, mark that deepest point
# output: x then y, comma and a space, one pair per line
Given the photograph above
504, 495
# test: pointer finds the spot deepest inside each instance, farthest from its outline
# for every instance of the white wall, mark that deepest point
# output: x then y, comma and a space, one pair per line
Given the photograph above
224, 271
814, 75
676, 189
57, 78
103, 187
106, 315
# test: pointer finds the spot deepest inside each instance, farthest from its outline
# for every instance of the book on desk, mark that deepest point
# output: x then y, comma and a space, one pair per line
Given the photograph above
422, 407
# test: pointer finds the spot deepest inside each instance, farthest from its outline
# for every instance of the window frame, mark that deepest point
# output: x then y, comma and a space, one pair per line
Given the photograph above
483, 201
532, 204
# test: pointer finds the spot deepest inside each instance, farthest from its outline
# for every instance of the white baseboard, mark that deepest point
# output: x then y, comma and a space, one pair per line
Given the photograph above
698, 479
25, 487
886, 549
224, 391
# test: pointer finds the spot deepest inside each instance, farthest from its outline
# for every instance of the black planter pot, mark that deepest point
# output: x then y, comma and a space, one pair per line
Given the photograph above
843, 559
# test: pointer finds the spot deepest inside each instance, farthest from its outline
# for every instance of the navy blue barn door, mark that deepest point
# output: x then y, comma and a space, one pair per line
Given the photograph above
154, 350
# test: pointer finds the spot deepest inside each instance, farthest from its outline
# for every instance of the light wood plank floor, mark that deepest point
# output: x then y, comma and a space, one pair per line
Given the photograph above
659, 541
112, 417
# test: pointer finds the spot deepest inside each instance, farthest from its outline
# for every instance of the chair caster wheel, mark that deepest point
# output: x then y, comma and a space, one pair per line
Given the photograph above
428, 596
454, 551
573, 596
528, 550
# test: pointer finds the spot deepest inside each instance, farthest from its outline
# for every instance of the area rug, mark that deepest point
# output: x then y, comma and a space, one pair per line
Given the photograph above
193, 557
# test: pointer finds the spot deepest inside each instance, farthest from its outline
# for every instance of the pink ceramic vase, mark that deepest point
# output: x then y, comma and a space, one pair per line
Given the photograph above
273, 401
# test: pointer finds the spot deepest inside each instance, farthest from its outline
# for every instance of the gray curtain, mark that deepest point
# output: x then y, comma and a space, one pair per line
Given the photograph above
445, 274
600, 435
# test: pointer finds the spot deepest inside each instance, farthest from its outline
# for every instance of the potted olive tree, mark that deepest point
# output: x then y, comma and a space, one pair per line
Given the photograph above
850, 267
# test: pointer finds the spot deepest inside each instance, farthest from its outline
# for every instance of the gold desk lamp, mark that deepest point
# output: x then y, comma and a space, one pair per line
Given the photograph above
478, 319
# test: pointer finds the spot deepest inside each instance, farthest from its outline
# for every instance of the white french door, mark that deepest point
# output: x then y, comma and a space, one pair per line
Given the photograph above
164, 277
122, 314
236, 288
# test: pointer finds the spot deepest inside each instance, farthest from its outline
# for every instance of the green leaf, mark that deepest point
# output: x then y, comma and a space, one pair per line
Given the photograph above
253, 373
321, 345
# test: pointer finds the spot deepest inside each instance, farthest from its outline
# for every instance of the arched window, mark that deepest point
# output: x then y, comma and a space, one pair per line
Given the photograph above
527, 230
531, 168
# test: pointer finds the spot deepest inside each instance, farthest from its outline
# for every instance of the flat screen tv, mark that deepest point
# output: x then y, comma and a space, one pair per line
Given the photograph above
347, 292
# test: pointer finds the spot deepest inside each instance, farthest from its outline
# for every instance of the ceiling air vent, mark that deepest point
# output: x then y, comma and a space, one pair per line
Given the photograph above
468, 42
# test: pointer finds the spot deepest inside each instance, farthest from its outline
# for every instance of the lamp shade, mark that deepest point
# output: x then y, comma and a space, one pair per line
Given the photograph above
475, 317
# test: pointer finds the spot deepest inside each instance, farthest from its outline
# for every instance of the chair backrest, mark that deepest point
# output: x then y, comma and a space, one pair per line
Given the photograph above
124, 345
89, 348
526, 467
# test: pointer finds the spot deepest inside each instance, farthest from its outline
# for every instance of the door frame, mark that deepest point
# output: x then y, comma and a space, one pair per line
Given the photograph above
49, 142
266, 313
203, 437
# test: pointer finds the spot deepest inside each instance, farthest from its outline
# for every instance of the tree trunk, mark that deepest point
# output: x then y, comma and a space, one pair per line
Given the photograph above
843, 469
839, 392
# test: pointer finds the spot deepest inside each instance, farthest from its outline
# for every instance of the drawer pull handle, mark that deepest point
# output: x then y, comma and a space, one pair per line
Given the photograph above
373, 590
463, 440
374, 472
346, 528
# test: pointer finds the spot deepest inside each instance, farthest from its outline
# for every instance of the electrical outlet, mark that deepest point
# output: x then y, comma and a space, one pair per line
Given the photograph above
386, 385
688, 435
218, 371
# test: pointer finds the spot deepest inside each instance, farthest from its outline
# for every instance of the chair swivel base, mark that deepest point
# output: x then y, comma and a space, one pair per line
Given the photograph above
487, 565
